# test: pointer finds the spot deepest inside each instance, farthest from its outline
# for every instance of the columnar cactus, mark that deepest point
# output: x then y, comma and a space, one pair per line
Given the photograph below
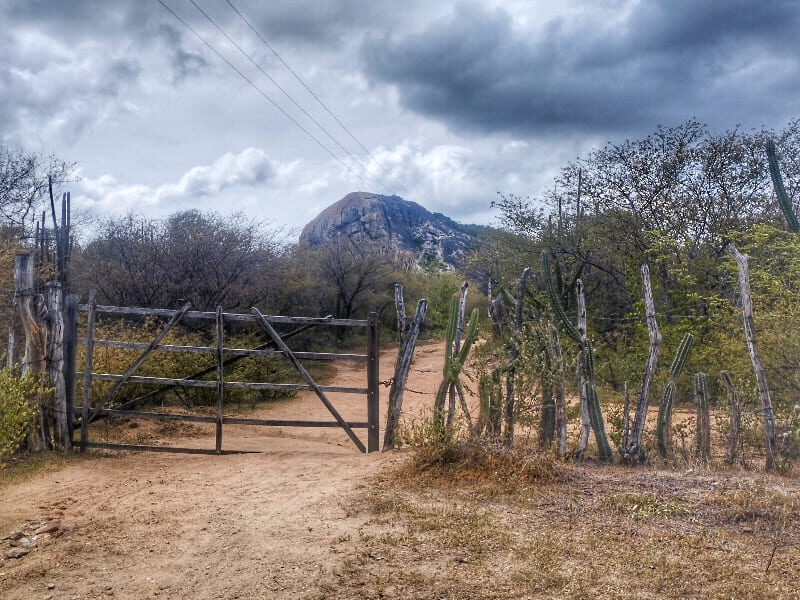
590, 391
595, 413
780, 190
454, 359
491, 395
571, 330
664, 424
703, 439
547, 422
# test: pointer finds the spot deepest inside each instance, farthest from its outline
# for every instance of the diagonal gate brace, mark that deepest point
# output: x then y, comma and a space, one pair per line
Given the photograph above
228, 361
307, 376
138, 362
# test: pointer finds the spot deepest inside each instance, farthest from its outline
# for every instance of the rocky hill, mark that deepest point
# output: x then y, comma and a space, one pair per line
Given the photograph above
391, 225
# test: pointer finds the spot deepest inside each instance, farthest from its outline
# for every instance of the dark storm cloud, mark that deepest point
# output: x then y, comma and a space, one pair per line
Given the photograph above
70, 18
65, 62
664, 62
314, 22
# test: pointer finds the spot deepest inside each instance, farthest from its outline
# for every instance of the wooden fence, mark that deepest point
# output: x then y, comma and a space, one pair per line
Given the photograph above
93, 408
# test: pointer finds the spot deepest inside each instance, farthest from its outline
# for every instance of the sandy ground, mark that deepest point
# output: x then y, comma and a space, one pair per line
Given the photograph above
269, 524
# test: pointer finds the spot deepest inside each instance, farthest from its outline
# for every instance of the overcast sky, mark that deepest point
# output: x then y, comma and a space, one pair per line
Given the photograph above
455, 101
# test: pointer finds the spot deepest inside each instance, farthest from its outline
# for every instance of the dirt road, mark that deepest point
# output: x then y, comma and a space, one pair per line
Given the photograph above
270, 524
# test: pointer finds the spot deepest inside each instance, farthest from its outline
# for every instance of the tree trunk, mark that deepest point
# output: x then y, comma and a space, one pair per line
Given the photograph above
755, 357
33, 363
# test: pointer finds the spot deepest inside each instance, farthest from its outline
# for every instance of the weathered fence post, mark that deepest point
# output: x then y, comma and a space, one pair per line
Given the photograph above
373, 381
70, 357
632, 450
62, 425
755, 357
400, 306
87, 370
586, 422
404, 356
220, 380
734, 434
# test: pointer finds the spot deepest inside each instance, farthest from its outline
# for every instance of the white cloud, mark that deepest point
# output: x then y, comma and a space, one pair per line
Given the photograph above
249, 168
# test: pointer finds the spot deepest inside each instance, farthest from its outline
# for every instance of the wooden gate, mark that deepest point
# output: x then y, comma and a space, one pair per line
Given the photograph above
276, 346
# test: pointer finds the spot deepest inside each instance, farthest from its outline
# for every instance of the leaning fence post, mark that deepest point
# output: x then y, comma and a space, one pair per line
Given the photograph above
755, 355
87, 371
373, 403
404, 356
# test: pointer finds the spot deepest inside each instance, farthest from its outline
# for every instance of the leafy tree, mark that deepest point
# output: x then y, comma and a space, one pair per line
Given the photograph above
206, 258
673, 200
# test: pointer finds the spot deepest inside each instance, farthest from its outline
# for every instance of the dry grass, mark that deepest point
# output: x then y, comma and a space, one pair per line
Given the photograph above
520, 525
24, 465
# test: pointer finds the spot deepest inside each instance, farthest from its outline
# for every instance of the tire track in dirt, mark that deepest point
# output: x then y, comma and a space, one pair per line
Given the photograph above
266, 525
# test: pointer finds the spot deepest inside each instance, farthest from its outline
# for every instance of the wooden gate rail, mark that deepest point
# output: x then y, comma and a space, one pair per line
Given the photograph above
229, 420
225, 356
196, 314
228, 351
239, 385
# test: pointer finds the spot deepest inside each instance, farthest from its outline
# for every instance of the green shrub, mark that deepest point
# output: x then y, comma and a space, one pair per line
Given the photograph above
17, 416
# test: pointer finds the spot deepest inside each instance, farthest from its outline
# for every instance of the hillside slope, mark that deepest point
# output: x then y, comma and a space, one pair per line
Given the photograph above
392, 225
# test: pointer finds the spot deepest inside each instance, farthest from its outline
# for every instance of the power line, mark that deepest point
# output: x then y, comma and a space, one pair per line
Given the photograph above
260, 91
310, 91
277, 85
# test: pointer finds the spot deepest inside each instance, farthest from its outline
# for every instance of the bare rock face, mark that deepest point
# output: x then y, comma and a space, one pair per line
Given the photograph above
392, 225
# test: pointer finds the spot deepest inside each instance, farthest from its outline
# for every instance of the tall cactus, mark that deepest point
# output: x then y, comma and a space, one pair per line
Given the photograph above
491, 412
595, 413
589, 392
556, 304
703, 439
664, 424
454, 360
780, 190
547, 422
559, 392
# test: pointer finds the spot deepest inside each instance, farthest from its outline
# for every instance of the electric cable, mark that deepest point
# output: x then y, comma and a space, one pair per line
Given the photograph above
260, 91
283, 91
314, 95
